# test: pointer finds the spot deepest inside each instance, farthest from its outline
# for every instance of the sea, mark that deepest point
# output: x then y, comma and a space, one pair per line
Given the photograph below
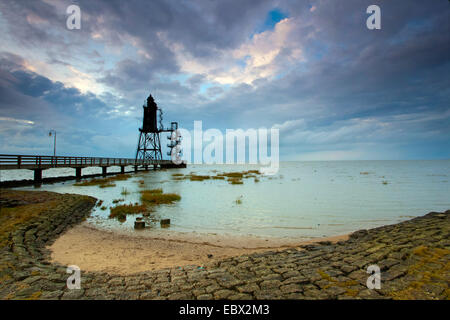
304, 200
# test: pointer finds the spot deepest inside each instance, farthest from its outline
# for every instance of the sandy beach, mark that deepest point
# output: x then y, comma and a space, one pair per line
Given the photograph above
93, 249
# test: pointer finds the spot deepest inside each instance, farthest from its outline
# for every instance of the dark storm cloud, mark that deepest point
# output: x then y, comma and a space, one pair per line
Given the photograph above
23, 16
32, 85
402, 68
198, 25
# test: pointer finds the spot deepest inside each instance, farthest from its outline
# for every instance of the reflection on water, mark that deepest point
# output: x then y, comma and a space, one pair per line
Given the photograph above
305, 199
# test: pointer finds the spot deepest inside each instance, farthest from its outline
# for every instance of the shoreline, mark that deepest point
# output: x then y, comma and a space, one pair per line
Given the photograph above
93, 249
412, 255
52, 180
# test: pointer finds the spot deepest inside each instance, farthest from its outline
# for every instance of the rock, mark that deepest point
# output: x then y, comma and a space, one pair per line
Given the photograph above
21, 275
248, 288
387, 263
291, 288
73, 294
369, 294
295, 296
272, 276
229, 283
26, 292
270, 284
359, 234
267, 294
348, 268
212, 288
165, 223
334, 291
392, 274
180, 296
149, 295
223, 294
51, 295
30, 280
240, 296
298, 280
435, 289
205, 297
139, 225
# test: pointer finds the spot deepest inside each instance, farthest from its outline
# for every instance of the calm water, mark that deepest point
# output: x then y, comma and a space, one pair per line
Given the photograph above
305, 199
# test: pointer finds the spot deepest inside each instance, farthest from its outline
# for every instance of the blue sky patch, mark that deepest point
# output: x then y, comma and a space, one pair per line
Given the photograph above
273, 17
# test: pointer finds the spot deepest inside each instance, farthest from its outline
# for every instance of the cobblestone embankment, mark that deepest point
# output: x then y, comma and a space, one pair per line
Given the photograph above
413, 256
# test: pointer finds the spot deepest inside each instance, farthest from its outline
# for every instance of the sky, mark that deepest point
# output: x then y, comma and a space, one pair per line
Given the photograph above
312, 69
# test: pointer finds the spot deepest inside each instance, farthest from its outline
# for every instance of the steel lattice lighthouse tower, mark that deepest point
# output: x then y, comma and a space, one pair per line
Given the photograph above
149, 144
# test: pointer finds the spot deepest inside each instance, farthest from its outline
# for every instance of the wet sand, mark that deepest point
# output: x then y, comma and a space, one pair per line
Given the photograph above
93, 249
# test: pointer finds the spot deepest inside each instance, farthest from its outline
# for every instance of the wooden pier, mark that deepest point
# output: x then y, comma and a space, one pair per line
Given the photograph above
39, 163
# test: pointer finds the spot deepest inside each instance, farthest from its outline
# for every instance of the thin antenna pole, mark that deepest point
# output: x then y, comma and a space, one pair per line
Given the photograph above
54, 146
54, 141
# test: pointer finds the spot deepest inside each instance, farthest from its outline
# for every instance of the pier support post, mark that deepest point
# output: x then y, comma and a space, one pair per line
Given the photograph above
37, 175
122, 169
146, 167
104, 170
135, 168
154, 167
78, 173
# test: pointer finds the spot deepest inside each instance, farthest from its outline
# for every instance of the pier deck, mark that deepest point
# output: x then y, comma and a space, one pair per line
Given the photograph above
39, 163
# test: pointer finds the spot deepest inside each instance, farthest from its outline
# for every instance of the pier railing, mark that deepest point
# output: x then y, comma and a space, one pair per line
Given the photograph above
8, 161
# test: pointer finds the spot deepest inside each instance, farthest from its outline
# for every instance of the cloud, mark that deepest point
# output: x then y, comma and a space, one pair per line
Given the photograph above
257, 57
290, 125
16, 120
31, 105
333, 87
